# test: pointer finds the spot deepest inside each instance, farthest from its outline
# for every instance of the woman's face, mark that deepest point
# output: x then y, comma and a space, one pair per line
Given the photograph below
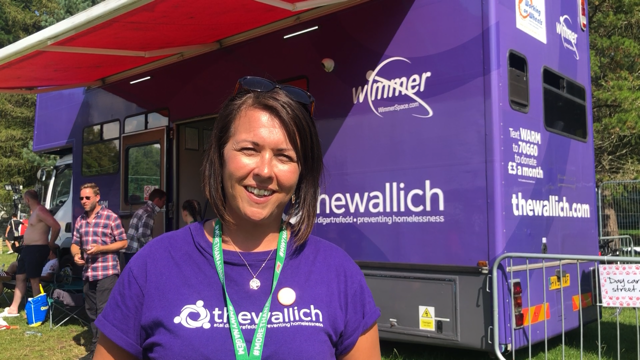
185, 216
260, 169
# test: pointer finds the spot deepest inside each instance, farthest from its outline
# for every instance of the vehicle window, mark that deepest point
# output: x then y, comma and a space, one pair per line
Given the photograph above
565, 107
143, 171
101, 149
111, 130
146, 121
134, 123
155, 120
61, 188
91, 134
101, 158
518, 82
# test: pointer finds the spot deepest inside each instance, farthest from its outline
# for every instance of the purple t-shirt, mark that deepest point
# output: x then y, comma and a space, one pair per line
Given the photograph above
169, 302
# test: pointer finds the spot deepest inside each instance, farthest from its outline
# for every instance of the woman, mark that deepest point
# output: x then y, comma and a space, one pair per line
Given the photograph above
248, 282
191, 211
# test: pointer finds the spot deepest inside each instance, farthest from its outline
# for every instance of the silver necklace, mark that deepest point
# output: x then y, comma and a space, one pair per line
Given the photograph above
254, 284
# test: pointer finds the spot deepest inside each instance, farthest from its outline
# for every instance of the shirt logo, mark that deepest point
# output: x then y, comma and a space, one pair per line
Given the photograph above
219, 317
186, 321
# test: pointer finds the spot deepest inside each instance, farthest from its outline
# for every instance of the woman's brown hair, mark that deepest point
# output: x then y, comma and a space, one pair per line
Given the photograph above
302, 134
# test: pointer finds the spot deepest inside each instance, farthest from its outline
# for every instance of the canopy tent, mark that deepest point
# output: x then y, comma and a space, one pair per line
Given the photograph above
121, 38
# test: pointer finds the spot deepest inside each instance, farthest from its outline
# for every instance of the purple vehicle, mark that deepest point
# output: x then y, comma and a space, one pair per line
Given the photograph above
453, 132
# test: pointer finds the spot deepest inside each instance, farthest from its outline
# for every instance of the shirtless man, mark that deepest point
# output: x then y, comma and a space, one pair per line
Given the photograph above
37, 244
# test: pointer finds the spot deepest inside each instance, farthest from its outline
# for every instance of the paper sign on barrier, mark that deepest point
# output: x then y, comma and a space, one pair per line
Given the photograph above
620, 285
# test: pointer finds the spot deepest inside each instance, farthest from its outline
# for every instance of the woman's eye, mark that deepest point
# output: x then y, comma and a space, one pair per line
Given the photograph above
286, 157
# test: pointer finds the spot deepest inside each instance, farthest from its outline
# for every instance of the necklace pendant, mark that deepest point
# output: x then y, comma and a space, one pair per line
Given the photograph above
254, 284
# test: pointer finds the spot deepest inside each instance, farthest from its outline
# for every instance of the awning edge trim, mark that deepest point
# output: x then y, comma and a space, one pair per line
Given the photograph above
93, 16
301, 5
51, 88
118, 52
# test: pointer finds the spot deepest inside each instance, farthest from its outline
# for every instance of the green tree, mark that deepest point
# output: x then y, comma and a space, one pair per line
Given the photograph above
615, 65
18, 164
18, 19
65, 9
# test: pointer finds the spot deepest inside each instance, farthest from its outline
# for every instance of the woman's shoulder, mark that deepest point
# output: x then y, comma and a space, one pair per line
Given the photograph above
169, 242
169, 236
169, 250
327, 253
324, 246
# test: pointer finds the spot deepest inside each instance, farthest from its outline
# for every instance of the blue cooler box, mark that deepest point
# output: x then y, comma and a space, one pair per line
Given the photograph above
37, 310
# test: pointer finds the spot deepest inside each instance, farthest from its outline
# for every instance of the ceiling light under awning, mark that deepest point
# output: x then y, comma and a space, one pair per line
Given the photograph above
300, 32
140, 80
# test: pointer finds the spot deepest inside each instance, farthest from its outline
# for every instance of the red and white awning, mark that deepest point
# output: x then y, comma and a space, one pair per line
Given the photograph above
120, 38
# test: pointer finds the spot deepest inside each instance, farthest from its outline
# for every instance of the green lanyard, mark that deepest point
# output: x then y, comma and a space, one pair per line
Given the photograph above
239, 345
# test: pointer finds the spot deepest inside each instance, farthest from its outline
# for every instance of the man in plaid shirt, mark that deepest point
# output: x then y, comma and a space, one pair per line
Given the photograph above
141, 225
99, 236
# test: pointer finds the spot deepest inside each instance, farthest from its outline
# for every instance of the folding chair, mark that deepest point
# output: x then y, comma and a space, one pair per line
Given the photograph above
7, 286
66, 299
16, 244
8, 283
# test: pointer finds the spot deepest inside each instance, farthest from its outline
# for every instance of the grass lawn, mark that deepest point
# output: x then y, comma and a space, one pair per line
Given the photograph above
67, 341
609, 348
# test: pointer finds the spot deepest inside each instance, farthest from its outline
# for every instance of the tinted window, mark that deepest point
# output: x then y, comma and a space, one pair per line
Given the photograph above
111, 130
101, 149
146, 121
143, 170
518, 82
565, 109
135, 123
156, 120
101, 158
61, 188
91, 134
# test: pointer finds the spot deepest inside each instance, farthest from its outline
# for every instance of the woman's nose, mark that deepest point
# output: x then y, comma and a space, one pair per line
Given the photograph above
264, 167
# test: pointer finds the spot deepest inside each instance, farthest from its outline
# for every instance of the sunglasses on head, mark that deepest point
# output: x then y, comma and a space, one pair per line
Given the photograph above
85, 198
252, 83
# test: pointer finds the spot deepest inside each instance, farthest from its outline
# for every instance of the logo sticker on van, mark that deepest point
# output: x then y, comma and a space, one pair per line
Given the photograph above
378, 87
530, 18
569, 38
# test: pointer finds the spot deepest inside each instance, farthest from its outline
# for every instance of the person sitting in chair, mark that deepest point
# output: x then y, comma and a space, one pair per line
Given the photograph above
49, 272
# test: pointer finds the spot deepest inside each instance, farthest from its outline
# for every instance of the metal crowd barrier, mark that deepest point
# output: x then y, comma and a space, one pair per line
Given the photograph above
503, 274
619, 208
623, 243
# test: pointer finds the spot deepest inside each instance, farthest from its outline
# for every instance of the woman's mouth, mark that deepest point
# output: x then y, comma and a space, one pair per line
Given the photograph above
258, 192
